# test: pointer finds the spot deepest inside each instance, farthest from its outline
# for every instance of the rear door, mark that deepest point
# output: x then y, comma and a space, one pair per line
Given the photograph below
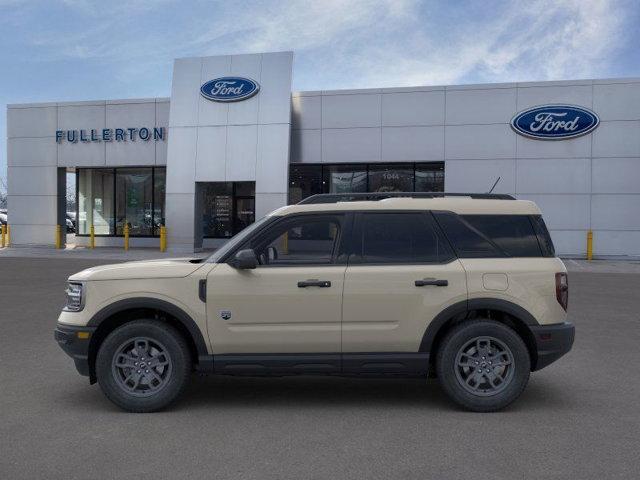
401, 274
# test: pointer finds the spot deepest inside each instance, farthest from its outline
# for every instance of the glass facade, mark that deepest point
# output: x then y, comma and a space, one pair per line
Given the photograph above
95, 201
110, 198
307, 180
227, 207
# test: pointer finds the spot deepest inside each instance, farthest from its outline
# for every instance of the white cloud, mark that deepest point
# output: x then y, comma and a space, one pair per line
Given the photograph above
361, 43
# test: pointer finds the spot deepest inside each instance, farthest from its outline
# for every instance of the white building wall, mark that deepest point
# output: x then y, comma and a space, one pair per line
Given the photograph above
33, 156
235, 141
589, 182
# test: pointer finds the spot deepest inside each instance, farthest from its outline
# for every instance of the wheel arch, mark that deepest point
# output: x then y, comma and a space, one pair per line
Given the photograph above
503, 311
127, 310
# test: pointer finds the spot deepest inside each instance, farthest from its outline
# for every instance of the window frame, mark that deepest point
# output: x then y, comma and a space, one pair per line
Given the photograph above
355, 259
341, 246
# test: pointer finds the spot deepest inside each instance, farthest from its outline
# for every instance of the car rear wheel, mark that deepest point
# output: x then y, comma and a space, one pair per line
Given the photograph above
483, 365
143, 366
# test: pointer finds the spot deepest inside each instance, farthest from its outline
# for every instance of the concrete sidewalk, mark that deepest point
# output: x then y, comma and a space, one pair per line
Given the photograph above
100, 253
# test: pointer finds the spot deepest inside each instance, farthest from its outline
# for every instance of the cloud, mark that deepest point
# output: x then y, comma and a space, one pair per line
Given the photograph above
544, 40
360, 43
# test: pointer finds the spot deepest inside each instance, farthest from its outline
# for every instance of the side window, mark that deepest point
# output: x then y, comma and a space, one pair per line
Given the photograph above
468, 242
304, 240
490, 236
399, 238
544, 239
514, 234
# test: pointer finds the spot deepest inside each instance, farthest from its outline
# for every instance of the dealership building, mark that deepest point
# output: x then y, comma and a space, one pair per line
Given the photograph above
233, 142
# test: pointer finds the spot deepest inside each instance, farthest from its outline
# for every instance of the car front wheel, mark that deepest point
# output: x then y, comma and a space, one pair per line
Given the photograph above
483, 365
143, 366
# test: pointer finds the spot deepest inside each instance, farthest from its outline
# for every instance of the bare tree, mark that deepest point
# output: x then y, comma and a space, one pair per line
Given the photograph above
71, 192
3, 193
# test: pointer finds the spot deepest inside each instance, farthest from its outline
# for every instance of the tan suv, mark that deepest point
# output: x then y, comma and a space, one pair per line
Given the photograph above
463, 287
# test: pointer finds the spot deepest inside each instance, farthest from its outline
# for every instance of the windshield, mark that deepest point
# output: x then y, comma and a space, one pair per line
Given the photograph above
236, 240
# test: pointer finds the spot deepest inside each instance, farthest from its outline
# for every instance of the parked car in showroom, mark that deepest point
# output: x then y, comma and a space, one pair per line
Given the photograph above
463, 287
71, 222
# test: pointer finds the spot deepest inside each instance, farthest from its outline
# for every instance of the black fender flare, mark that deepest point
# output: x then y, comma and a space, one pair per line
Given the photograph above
465, 306
156, 304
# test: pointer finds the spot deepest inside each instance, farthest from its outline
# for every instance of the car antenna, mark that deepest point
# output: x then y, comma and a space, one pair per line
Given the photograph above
494, 185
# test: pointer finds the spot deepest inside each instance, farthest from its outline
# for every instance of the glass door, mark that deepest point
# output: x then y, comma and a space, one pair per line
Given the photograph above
245, 213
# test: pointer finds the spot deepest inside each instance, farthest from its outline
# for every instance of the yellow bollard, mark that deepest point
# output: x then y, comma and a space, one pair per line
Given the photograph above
92, 237
8, 235
58, 236
3, 234
126, 236
589, 245
163, 238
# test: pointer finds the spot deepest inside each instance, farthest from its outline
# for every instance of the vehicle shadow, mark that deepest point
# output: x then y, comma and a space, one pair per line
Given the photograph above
330, 392
312, 392
220, 392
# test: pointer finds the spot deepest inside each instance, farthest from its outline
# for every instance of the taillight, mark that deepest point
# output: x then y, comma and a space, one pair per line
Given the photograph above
562, 289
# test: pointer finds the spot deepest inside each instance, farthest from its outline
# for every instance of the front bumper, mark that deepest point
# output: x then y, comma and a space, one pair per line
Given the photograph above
552, 342
75, 342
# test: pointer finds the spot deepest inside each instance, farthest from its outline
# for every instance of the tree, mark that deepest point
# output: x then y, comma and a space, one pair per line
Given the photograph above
3, 193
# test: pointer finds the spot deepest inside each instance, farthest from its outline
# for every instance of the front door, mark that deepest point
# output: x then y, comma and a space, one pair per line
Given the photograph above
291, 303
401, 274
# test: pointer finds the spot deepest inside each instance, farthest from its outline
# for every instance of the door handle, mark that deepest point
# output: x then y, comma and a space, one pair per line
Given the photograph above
431, 281
314, 283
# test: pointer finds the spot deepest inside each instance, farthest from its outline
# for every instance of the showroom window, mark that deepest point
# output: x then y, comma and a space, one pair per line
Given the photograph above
95, 201
308, 179
110, 198
134, 201
227, 207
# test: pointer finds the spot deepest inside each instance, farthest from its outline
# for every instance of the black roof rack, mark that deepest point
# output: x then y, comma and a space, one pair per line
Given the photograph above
356, 197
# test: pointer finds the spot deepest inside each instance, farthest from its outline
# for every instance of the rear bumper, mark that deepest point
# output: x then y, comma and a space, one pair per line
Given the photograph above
75, 346
552, 342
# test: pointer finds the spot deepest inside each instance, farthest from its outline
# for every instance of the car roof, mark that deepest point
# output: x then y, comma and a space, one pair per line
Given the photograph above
457, 204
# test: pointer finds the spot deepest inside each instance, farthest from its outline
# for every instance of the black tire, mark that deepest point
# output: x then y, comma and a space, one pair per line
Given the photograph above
119, 383
454, 371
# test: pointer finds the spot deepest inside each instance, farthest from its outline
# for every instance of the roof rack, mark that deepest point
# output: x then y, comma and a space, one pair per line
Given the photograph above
356, 197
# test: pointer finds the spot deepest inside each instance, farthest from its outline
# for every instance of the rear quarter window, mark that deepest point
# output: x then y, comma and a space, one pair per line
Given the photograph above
487, 236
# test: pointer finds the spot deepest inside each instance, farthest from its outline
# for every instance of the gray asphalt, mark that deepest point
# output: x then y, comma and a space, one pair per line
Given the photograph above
579, 418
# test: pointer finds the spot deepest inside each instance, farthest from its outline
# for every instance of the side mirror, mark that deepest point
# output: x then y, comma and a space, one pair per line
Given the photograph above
245, 260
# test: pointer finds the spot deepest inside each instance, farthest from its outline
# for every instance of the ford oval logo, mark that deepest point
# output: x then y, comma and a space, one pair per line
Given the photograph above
555, 122
229, 89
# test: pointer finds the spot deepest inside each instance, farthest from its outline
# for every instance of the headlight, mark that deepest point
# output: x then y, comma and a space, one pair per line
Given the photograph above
75, 297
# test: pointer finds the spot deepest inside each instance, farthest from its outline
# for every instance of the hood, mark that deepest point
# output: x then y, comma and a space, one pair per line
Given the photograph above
147, 269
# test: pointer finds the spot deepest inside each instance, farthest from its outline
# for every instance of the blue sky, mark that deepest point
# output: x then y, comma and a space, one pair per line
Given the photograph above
84, 49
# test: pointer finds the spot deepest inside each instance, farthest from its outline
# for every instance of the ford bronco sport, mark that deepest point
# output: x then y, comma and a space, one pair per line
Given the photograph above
463, 287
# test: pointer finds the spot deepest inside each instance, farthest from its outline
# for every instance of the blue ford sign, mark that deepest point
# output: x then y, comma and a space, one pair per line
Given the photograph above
555, 122
229, 89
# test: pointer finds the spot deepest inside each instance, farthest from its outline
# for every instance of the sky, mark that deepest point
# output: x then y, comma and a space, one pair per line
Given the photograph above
87, 50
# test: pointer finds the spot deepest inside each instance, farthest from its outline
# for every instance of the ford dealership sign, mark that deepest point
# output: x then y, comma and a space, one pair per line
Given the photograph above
229, 89
555, 122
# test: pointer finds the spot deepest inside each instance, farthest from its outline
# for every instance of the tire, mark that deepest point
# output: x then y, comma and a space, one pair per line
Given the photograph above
140, 383
502, 360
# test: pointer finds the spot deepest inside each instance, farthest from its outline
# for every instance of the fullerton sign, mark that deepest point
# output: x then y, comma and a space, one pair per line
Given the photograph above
110, 135
555, 122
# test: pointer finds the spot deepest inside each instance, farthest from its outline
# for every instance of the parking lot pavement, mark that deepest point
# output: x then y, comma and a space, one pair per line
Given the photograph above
578, 419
